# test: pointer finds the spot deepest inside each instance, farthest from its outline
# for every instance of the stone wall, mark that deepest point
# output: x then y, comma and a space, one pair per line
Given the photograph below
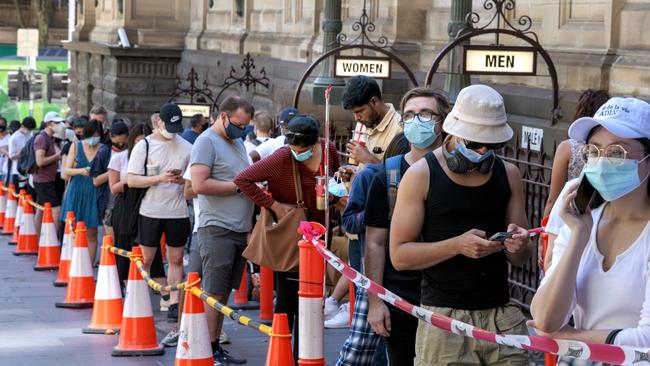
593, 43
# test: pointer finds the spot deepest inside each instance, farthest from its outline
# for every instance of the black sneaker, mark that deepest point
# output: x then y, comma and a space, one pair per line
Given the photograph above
224, 358
172, 312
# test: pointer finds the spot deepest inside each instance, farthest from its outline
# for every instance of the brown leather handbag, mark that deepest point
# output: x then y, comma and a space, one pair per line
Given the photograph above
274, 244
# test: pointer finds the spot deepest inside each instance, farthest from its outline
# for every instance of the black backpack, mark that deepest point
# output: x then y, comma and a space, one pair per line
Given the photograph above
27, 159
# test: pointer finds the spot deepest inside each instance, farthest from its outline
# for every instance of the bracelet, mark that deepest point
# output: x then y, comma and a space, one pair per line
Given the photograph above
612, 336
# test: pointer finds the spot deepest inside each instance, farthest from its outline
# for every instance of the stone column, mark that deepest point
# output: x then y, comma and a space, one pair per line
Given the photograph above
332, 26
455, 80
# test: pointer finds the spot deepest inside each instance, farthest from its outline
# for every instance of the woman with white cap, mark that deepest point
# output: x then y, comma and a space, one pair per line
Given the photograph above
601, 259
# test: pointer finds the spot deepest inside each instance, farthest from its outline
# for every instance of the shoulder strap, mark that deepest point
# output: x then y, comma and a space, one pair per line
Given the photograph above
146, 156
296, 182
393, 177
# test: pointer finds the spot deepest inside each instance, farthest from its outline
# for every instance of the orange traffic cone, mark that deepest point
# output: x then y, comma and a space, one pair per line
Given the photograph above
66, 251
280, 352
138, 332
3, 203
107, 310
19, 217
27, 238
49, 251
81, 286
193, 347
10, 213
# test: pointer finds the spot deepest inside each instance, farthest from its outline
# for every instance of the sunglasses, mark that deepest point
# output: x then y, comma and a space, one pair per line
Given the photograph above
479, 145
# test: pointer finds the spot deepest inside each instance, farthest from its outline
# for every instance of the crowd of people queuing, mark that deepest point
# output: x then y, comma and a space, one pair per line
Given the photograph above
420, 209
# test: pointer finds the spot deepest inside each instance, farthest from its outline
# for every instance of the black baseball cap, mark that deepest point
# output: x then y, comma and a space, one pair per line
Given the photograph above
171, 114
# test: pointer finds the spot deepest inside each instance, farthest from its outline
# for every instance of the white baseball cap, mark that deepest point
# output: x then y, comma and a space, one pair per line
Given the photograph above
479, 115
52, 116
628, 118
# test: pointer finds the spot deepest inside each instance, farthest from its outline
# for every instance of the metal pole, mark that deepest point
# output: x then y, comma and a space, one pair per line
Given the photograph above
72, 13
332, 26
455, 80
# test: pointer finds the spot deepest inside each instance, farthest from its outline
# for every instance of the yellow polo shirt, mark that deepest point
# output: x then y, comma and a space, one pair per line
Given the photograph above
383, 133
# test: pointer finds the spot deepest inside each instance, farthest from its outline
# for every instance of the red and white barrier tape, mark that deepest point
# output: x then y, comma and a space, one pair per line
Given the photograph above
605, 353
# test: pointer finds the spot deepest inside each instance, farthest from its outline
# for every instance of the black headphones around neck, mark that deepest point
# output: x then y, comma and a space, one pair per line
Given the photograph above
459, 164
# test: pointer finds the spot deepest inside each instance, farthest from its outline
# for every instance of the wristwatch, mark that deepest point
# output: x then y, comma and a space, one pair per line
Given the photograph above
237, 190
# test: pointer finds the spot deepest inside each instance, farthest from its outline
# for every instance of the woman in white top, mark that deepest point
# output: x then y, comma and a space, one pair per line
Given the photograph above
601, 260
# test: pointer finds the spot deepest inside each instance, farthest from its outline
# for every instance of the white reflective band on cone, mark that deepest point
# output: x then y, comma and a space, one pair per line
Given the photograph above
137, 303
3, 204
108, 284
80, 263
11, 209
193, 338
27, 226
48, 236
66, 250
19, 217
310, 328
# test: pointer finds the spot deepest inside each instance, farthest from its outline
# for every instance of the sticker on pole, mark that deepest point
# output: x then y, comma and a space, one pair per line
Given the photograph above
27, 42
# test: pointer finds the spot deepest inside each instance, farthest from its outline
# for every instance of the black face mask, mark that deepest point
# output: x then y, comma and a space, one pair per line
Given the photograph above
79, 137
204, 127
3, 128
119, 146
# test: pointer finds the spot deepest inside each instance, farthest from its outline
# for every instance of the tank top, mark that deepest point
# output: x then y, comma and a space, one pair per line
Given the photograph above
451, 210
575, 161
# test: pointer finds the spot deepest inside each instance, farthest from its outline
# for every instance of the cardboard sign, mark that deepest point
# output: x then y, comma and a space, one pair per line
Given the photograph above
532, 136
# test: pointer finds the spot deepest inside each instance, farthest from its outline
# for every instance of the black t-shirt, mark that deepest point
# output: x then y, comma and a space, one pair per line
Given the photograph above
65, 150
406, 284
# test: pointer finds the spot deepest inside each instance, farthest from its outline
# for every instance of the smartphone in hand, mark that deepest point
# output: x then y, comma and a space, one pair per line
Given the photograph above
585, 195
500, 236
175, 171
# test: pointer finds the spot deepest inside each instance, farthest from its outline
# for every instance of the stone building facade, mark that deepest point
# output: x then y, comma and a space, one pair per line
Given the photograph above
593, 44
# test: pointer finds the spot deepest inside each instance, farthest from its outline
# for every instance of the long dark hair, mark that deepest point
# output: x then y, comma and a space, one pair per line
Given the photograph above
137, 130
589, 102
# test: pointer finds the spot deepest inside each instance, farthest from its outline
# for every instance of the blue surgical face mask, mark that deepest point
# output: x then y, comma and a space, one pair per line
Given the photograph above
303, 155
472, 155
419, 133
92, 141
336, 188
613, 181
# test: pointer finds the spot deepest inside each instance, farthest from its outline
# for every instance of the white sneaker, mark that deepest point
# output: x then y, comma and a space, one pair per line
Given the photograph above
223, 338
331, 308
164, 305
341, 319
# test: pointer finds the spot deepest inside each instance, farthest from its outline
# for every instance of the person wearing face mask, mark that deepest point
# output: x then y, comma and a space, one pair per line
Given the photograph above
81, 194
600, 266
198, 124
225, 215
48, 157
17, 141
448, 206
118, 133
423, 111
271, 145
157, 163
4, 148
307, 150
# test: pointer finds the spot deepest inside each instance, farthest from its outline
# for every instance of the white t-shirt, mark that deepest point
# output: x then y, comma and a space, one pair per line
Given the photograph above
195, 202
163, 200
16, 143
119, 162
4, 142
555, 222
269, 146
251, 146
616, 299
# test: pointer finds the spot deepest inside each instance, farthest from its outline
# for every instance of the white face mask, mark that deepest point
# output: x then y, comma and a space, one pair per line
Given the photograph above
167, 135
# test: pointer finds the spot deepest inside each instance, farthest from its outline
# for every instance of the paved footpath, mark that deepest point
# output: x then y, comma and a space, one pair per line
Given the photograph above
34, 332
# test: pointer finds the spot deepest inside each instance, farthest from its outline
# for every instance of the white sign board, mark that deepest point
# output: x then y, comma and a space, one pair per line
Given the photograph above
378, 68
189, 110
532, 136
27, 42
500, 60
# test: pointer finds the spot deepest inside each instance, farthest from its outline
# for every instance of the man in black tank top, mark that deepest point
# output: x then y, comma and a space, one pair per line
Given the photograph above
449, 206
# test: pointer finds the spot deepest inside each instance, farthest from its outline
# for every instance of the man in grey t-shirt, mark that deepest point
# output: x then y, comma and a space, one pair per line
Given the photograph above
225, 217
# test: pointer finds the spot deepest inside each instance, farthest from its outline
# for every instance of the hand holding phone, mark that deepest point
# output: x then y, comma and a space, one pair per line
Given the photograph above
500, 236
585, 195
175, 171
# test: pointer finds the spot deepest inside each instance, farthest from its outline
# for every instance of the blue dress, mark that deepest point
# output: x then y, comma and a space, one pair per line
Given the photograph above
81, 195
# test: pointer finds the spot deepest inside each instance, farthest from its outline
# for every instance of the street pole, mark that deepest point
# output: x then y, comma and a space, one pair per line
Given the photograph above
455, 80
332, 26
